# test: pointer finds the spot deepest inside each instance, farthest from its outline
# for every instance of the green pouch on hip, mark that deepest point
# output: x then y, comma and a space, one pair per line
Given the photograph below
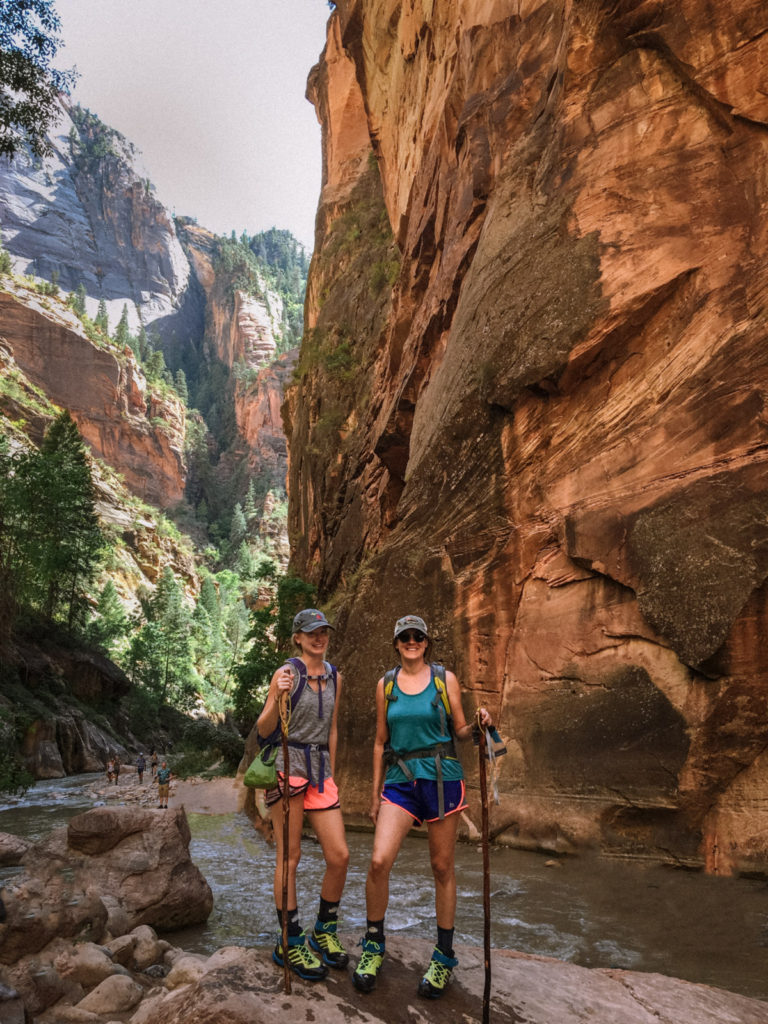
262, 773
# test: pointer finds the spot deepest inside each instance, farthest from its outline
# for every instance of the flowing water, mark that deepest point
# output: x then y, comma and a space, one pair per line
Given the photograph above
591, 911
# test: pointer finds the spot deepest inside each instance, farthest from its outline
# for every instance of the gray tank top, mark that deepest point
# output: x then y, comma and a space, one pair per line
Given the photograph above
310, 726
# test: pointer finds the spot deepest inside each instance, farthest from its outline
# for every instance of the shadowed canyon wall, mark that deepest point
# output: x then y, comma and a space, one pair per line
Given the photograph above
532, 400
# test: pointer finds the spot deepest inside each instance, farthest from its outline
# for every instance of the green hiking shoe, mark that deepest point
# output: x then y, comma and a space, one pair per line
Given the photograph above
324, 940
301, 960
365, 974
434, 982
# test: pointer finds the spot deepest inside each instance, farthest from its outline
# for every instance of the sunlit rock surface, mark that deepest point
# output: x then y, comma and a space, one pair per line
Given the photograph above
552, 443
131, 428
96, 223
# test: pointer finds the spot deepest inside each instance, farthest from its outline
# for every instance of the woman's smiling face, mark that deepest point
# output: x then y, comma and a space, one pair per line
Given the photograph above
411, 643
315, 642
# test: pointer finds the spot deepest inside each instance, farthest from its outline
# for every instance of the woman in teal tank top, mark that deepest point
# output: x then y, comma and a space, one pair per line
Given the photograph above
416, 778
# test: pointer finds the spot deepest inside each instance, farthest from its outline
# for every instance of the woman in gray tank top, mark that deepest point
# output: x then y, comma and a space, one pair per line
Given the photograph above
315, 688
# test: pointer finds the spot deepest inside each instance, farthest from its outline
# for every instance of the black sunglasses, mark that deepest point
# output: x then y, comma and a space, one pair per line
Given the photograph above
412, 635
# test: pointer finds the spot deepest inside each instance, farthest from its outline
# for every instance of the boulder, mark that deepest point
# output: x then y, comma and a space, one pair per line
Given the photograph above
147, 949
12, 849
114, 995
140, 873
88, 964
243, 986
186, 970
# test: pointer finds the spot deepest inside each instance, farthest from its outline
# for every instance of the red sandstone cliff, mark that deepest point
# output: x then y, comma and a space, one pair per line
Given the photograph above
549, 435
134, 430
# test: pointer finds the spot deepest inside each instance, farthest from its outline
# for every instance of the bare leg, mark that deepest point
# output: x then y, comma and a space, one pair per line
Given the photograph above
392, 826
294, 847
442, 848
329, 829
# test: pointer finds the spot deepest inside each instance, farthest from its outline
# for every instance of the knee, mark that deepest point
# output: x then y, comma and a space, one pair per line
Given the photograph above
339, 859
293, 861
443, 869
380, 867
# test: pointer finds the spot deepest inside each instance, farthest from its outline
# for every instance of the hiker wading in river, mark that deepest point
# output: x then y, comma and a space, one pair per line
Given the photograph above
418, 714
315, 688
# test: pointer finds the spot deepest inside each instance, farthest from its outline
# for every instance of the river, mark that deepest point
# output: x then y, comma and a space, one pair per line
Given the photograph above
591, 911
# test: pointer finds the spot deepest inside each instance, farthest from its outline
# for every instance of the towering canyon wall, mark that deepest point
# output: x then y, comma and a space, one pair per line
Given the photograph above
532, 400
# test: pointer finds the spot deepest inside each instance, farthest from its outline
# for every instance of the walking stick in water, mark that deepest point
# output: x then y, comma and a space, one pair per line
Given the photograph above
486, 874
285, 718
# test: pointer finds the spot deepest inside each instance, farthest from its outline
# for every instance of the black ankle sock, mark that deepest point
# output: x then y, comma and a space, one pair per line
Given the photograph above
294, 928
375, 930
328, 912
445, 940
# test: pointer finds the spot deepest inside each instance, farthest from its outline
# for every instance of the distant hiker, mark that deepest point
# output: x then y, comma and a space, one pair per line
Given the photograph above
164, 776
110, 769
418, 714
153, 761
117, 770
141, 765
315, 688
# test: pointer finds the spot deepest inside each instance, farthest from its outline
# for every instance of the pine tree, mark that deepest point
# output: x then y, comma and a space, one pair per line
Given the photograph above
161, 651
102, 317
123, 330
142, 344
55, 544
70, 542
180, 384
111, 623
77, 300
249, 508
238, 527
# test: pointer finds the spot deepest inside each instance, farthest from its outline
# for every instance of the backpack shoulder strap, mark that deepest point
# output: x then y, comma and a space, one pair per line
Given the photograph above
441, 698
438, 672
331, 672
389, 683
300, 679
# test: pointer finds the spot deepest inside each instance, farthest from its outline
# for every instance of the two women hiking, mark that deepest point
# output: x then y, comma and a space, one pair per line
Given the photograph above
417, 778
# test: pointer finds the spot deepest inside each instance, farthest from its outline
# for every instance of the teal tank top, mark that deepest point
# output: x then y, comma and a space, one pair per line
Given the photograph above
414, 723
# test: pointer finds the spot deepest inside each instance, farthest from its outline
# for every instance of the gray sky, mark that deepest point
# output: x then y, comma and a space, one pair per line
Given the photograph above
212, 94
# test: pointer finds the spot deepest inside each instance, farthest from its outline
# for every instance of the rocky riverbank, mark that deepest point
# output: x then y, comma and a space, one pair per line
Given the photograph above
82, 944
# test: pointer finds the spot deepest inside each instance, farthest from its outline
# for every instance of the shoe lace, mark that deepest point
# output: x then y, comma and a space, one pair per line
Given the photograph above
437, 974
329, 942
370, 962
304, 955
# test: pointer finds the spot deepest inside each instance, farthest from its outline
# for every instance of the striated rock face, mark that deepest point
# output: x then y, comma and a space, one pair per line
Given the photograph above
94, 220
551, 438
125, 424
259, 420
240, 327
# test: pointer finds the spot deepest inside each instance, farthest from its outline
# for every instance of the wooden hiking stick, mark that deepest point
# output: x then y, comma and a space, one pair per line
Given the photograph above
486, 875
285, 719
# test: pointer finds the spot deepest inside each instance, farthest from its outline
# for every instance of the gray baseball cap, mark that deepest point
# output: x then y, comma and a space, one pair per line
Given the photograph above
410, 622
310, 619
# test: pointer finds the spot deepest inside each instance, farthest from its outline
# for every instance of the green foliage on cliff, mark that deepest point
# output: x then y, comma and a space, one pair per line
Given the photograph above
14, 778
270, 261
29, 84
91, 141
51, 545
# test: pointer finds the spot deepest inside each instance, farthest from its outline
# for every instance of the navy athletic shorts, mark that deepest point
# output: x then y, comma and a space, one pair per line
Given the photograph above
419, 798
